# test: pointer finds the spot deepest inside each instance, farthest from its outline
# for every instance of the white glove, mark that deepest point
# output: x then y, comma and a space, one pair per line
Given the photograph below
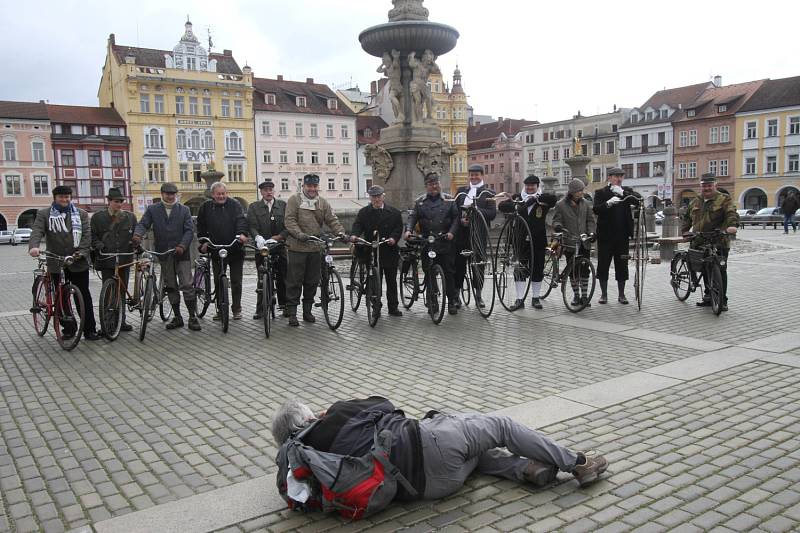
613, 201
260, 241
616, 189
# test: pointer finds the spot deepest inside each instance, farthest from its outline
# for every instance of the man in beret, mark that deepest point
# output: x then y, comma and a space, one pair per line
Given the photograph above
172, 227
112, 231
709, 211
66, 231
266, 221
573, 213
612, 205
485, 203
383, 221
306, 214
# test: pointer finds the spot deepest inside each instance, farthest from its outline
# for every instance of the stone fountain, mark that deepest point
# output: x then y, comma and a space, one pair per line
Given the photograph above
578, 162
210, 176
412, 145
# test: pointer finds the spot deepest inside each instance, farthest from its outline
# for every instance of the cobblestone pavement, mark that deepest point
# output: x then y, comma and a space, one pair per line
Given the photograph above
113, 428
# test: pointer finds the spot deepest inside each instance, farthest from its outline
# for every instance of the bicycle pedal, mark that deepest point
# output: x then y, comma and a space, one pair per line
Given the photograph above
35, 310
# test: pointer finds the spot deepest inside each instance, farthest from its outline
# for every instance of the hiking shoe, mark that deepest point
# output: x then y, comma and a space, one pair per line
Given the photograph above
622, 299
704, 303
603, 299
452, 309
539, 474
176, 322
536, 303
457, 303
308, 317
237, 315
258, 316
194, 324
590, 471
126, 327
293, 321
518, 304
395, 312
479, 302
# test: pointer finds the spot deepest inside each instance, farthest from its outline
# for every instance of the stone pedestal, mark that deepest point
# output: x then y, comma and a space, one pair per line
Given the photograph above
577, 166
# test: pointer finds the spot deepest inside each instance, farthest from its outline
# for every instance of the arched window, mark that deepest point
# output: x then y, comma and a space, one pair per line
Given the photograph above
181, 140
195, 140
155, 139
234, 142
209, 140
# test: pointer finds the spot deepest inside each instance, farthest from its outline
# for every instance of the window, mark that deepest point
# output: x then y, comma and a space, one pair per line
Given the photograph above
724, 134
114, 131
283, 156
207, 107
179, 109
692, 137
794, 163
683, 138
158, 101
265, 130
555, 154
628, 169
331, 158
692, 169
690, 113
333, 103
345, 184
192, 105
284, 184
195, 140
41, 185
751, 130
300, 101
516, 163
208, 137
345, 158
155, 172
772, 164
722, 108
750, 165
117, 159
37, 149
269, 99
235, 173
712, 167
329, 131
664, 113
546, 155
634, 119
794, 125
596, 175
502, 168
13, 185
154, 140
648, 115
237, 109
314, 132
233, 143
94, 158
331, 184
629, 141
226, 107
298, 129
682, 172
181, 139
595, 148
491, 168
67, 158
713, 135
566, 153
183, 172
610, 147
282, 129
301, 157
345, 133
267, 157
643, 170
315, 158
772, 127
144, 103
723, 167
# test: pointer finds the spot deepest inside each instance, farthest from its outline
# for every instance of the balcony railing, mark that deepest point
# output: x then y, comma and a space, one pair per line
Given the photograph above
636, 150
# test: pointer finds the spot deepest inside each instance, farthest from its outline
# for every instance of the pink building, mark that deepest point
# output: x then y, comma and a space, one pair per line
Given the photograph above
26, 162
498, 147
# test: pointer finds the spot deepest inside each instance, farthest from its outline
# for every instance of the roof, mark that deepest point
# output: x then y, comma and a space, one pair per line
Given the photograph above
676, 98
74, 114
286, 92
772, 94
26, 110
376, 124
483, 135
151, 57
734, 95
356, 95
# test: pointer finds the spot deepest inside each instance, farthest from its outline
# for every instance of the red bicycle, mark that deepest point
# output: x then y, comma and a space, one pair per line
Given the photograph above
63, 302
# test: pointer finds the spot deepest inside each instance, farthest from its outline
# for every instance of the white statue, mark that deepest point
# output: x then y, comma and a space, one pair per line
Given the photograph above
391, 69
422, 99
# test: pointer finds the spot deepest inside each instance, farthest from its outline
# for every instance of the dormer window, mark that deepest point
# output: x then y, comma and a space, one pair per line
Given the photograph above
690, 112
269, 98
634, 118
649, 115
367, 132
333, 103
300, 101
664, 113
722, 108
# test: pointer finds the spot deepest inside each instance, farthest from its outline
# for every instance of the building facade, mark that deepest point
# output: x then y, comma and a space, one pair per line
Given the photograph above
451, 115
91, 153
354, 98
368, 132
301, 128
187, 111
497, 146
26, 163
768, 145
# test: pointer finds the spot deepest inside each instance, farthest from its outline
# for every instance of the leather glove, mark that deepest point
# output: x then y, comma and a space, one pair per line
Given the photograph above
616, 189
614, 200
302, 237
558, 228
179, 249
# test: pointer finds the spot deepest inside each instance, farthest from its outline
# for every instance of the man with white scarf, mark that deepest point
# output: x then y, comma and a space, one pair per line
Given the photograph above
66, 231
486, 205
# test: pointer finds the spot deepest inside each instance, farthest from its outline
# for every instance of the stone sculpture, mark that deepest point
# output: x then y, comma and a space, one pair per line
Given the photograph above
407, 10
421, 97
434, 158
380, 160
391, 69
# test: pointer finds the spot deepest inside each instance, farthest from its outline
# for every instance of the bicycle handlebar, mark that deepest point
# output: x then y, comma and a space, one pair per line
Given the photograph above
489, 193
373, 244
206, 240
66, 259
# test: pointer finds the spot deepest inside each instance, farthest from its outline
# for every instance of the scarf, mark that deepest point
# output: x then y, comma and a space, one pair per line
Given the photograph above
168, 207
524, 195
58, 221
308, 203
473, 191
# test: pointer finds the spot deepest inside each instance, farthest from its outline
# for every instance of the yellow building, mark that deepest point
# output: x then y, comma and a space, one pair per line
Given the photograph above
186, 110
767, 160
450, 113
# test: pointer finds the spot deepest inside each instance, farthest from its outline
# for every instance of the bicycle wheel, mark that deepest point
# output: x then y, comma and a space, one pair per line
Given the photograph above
164, 307
69, 309
436, 297
223, 308
146, 310
715, 288
333, 303
578, 287
680, 276
202, 290
110, 309
513, 259
40, 311
551, 271
358, 272
372, 297
466, 287
266, 301
641, 258
409, 283
480, 264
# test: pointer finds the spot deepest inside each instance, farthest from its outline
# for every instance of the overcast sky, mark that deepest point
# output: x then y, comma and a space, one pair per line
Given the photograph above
519, 58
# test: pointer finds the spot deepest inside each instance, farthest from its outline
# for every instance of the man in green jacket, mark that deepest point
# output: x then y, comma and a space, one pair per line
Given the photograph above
266, 221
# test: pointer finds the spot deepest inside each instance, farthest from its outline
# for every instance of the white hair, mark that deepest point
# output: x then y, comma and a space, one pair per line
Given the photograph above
290, 416
218, 185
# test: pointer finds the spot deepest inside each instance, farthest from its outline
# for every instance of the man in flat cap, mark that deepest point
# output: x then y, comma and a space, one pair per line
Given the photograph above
112, 231
266, 221
536, 204
612, 205
379, 219
573, 213
66, 231
172, 228
712, 210
478, 193
306, 214
436, 214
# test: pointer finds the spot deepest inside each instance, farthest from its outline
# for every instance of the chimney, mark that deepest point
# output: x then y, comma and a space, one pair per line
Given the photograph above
280, 77
499, 119
373, 87
227, 53
615, 108
309, 80
112, 40
717, 81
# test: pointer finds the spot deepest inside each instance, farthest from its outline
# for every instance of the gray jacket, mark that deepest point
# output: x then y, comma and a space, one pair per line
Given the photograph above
168, 232
576, 220
61, 243
266, 223
112, 236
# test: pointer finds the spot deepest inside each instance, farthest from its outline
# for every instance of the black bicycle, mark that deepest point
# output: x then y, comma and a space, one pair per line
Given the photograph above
432, 286
513, 258
221, 296
578, 278
331, 288
370, 284
270, 252
690, 268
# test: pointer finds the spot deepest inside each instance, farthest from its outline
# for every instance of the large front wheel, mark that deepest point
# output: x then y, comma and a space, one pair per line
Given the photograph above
680, 276
578, 287
110, 309
40, 310
409, 283
70, 312
436, 296
513, 259
332, 299
480, 264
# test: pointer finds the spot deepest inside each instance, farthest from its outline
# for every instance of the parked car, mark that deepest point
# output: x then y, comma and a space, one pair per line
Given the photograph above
5, 236
21, 235
659, 218
769, 216
746, 212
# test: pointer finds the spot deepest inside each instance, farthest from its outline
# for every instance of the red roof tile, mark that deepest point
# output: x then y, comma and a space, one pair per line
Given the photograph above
151, 57
286, 92
483, 135
774, 94
73, 114
26, 110
705, 105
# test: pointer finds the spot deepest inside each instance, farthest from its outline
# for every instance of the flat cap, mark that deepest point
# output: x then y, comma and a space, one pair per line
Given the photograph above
266, 183
475, 168
310, 179
533, 179
114, 194
615, 171
169, 187
431, 176
375, 190
576, 185
708, 177
62, 189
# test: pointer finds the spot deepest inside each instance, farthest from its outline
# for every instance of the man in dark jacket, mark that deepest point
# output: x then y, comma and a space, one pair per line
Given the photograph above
65, 229
112, 231
172, 228
534, 210
387, 222
438, 453
436, 213
222, 220
790, 204
465, 197
612, 205
265, 220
